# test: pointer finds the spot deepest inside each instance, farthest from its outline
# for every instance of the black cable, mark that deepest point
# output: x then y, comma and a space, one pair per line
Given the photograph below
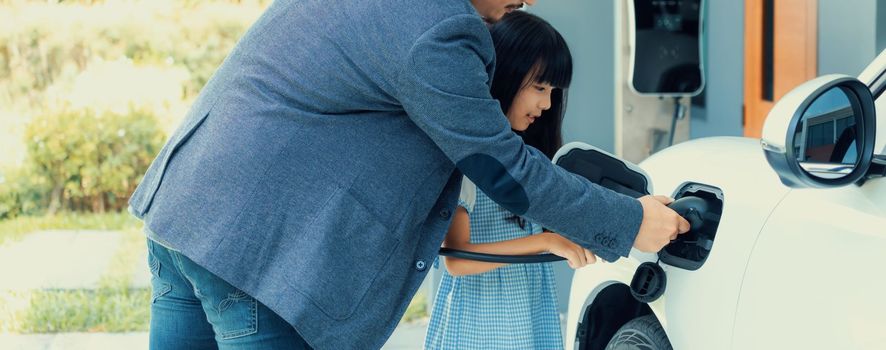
495, 258
690, 207
679, 110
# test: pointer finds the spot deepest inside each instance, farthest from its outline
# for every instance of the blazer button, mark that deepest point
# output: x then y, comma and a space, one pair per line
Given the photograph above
445, 213
420, 265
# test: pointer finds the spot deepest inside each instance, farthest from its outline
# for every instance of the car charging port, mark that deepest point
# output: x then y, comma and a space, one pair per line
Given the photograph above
702, 206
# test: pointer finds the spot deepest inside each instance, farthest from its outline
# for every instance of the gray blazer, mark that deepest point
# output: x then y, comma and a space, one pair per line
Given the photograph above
319, 168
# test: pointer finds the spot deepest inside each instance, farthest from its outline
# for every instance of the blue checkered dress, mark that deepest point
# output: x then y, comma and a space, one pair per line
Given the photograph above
511, 307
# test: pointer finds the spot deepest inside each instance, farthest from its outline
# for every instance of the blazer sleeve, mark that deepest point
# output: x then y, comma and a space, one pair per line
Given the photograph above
444, 88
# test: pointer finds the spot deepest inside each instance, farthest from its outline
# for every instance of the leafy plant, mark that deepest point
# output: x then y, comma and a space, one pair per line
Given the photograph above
91, 161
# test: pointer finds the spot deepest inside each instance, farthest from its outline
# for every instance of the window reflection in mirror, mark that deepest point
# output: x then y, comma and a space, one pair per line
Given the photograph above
825, 141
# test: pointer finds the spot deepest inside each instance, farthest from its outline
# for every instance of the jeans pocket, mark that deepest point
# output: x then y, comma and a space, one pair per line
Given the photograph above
159, 287
232, 312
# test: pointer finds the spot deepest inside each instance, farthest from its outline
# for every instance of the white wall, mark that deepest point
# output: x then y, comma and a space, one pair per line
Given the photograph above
589, 29
847, 35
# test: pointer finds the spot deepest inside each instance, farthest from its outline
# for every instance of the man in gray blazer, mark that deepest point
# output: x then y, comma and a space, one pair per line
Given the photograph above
319, 168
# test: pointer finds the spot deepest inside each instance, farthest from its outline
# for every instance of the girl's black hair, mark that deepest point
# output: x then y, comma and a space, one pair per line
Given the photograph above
526, 43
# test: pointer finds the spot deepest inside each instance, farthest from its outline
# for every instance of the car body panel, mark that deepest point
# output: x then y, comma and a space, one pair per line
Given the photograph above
815, 270
773, 257
751, 191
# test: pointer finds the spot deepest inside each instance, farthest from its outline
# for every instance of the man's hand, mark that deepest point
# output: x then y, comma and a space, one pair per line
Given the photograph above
660, 225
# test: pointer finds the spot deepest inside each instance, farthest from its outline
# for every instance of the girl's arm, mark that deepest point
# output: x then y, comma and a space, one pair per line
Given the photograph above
459, 237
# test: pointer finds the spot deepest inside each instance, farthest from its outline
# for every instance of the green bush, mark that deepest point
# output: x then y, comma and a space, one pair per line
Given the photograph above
91, 161
21, 194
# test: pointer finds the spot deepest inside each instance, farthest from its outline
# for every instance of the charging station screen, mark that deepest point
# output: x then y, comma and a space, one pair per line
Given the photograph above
666, 44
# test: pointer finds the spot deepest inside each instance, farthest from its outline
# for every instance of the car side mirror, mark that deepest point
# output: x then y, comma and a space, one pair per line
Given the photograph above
821, 134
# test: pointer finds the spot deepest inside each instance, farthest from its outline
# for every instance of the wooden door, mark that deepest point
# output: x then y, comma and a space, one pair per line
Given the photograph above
780, 53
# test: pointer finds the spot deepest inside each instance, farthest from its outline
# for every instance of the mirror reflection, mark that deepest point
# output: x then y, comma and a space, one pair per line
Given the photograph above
825, 141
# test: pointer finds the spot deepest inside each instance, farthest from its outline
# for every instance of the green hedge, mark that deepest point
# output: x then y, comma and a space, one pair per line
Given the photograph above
21, 194
91, 161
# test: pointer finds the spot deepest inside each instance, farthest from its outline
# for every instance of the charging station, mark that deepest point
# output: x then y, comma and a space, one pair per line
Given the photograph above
659, 68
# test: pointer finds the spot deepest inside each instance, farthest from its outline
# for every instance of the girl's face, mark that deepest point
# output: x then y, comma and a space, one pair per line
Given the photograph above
532, 99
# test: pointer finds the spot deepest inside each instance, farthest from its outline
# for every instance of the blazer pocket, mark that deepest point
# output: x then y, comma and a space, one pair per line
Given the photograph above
348, 247
141, 200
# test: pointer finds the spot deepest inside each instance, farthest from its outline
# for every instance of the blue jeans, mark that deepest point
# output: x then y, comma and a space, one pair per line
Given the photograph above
191, 308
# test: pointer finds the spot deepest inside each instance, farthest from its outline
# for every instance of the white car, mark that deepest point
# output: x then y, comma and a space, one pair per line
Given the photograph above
789, 250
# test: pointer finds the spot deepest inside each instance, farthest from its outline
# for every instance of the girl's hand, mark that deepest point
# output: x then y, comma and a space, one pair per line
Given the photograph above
576, 256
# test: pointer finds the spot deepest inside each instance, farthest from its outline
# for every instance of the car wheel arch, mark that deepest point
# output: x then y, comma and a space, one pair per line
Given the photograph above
604, 312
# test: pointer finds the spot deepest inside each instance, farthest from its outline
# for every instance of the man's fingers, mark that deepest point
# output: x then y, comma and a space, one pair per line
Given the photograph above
660, 224
683, 225
664, 199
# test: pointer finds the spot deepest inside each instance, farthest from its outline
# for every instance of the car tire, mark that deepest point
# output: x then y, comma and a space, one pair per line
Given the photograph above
641, 333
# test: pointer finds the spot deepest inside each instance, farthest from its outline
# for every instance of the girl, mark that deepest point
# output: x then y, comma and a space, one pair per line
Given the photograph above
496, 306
